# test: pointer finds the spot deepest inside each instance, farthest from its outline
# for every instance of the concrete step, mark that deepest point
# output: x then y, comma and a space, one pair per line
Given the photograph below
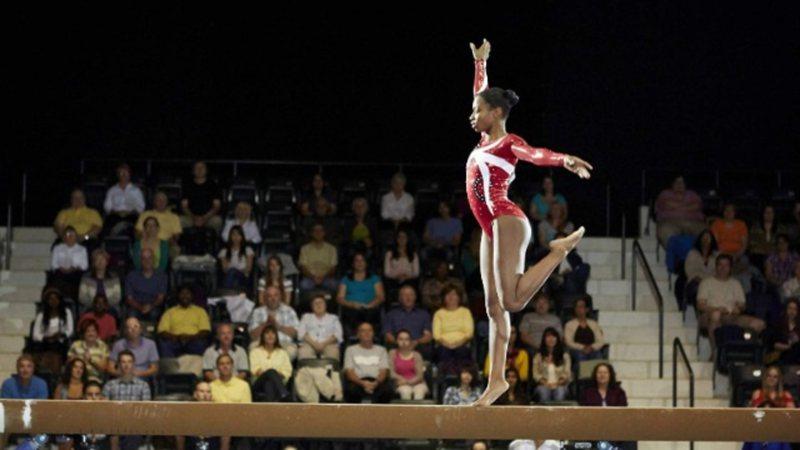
611, 271
13, 327
18, 310
30, 248
34, 234
669, 445
12, 343
640, 319
623, 287
8, 361
646, 352
22, 262
600, 244
609, 302
632, 370
647, 335
662, 389
20, 294
31, 278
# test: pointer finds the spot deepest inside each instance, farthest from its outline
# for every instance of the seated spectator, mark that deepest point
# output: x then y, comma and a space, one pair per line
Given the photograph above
319, 332
145, 289
229, 388
416, 321
605, 389
678, 211
791, 287
764, 237
143, 349
73, 379
551, 368
105, 322
319, 189
272, 312
366, 369
270, 366
470, 262
184, 328
202, 393
772, 394
793, 229
432, 287
407, 369
123, 204
779, 267
24, 384
99, 280
515, 395
318, 261
467, 391
453, 329
170, 223
93, 391
236, 260
225, 346
571, 276
276, 277
583, 336
360, 229
68, 262
52, 329
516, 358
721, 301
86, 221
731, 235
555, 223
128, 388
787, 334
442, 235
545, 198
202, 200
91, 350
243, 218
401, 262
321, 213
533, 324
360, 295
150, 240
397, 205
700, 264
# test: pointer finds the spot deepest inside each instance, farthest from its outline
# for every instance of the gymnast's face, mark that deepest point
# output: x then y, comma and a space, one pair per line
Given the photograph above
483, 115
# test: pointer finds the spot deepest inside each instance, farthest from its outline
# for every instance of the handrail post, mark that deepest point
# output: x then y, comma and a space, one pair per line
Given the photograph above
608, 209
24, 197
675, 373
660, 341
7, 246
624, 245
633, 275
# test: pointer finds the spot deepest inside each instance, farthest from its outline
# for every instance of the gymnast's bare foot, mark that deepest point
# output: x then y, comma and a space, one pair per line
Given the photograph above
493, 391
566, 244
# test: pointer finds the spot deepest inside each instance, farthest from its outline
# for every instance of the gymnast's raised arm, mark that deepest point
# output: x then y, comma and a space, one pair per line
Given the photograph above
480, 54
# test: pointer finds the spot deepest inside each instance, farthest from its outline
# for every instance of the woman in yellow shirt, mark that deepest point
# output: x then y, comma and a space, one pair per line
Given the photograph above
453, 328
271, 367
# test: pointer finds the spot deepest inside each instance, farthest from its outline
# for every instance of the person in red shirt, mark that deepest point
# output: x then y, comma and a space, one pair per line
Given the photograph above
771, 394
106, 323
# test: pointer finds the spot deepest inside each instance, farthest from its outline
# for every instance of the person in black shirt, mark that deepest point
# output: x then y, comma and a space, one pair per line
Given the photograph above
201, 201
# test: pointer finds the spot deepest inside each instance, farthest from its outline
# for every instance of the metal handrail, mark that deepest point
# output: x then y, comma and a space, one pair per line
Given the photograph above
677, 346
624, 244
637, 256
7, 243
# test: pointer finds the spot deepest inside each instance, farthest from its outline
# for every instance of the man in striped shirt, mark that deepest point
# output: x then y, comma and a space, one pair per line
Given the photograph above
126, 388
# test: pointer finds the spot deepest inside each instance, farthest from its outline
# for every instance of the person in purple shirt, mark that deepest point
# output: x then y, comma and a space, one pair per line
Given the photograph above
24, 385
146, 289
144, 351
406, 316
678, 211
442, 234
605, 390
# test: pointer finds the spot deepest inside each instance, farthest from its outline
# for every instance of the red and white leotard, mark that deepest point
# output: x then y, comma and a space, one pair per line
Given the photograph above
490, 168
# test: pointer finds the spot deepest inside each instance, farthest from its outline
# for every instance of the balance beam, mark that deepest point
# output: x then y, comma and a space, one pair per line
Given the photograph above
299, 420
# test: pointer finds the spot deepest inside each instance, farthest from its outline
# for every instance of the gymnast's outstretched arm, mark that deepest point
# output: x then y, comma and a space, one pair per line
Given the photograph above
544, 157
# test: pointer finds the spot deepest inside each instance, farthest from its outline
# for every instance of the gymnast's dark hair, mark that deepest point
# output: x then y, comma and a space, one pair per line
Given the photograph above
504, 99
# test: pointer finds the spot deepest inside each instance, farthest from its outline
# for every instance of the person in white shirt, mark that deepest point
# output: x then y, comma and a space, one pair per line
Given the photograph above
242, 216
320, 333
52, 328
397, 206
68, 262
791, 288
123, 204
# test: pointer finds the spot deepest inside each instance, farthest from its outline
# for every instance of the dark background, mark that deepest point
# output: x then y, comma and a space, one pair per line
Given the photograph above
662, 86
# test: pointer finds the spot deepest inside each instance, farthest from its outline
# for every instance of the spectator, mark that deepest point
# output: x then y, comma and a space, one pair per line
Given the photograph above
91, 350
366, 369
24, 385
678, 211
515, 395
453, 329
170, 223
432, 287
129, 388
407, 369
321, 213
319, 189
236, 260
516, 358
68, 262
700, 264
318, 261
106, 323
555, 223
360, 229
100, 280
123, 204
229, 388
605, 389
533, 324
201, 200
772, 394
272, 312
225, 346
791, 287
51, 331
275, 276
150, 240
360, 295
793, 229
184, 328
243, 217
407, 316
787, 334
271, 367
202, 393
86, 221
401, 262
546, 197
93, 391
780, 264
551, 368
145, 289
467, 392
720, 301
470, 262
320, 332
730, 233
764, 237
143, 349
397, 206
443, 234
583, 336
73, 379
